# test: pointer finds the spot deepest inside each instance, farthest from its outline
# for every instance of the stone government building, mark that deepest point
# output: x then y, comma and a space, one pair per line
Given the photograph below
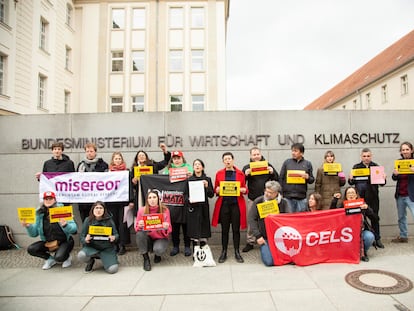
205, 135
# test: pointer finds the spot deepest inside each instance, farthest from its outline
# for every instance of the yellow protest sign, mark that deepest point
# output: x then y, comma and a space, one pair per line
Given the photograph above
295, 177
332, 168
153, 222
27, 214
404, 166
259, 168
143, 170
360, 172
229, 188
100, 230
57, 213
267, 208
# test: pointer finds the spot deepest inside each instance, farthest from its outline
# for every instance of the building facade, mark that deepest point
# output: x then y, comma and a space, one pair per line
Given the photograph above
381, 84
64, 56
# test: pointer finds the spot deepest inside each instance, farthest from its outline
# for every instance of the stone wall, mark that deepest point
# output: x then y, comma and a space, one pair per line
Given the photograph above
206, 135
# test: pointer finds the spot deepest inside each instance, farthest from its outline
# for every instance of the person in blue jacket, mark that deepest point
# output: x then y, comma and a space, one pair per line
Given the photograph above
58, 234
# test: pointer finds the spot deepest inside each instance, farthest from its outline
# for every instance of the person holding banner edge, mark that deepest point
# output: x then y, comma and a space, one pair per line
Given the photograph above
59, 233
99, 242
91, 163
368, 190
256, 221
230, 208
404, 192
155, 240
255, 184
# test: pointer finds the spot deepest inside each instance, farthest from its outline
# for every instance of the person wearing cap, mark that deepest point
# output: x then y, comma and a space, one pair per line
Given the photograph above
59, 233
178, 214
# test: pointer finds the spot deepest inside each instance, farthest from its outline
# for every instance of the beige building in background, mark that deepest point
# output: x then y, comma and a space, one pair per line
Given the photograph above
384, 83
86, 56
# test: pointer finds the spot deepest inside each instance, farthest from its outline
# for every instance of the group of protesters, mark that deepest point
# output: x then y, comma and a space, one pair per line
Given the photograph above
256, 184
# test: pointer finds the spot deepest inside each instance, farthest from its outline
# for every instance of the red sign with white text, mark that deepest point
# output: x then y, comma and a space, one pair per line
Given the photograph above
314, 237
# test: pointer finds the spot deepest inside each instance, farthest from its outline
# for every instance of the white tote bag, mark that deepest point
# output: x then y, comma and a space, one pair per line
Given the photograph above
203, 257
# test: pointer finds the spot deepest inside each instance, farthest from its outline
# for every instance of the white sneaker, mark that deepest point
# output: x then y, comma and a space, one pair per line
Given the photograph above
68, 262
49, 263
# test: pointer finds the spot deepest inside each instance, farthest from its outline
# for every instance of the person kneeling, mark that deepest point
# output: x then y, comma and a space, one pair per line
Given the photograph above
256, 223
99, 242
148, 239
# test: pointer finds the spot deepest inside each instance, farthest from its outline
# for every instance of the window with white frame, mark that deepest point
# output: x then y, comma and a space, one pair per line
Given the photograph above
44, 32
4, 11
3, 60
69, 15
197, 60
138, 18
404, 85
176, 61
118, 18
176, 18
68, 58
67, 101
117, 104
384, 94
137, 103
117, 61
138, 62
176, 103
197, 17
368, 100
41, 101
197, 102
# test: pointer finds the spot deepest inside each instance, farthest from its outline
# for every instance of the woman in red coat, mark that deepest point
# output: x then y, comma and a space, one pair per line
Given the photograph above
230, 209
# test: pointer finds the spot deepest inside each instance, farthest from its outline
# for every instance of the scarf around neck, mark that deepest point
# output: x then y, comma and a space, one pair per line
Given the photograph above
120, 167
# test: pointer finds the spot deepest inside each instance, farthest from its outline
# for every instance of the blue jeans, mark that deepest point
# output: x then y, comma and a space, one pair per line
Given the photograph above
402, 204
297, 205
266, 255
368, 238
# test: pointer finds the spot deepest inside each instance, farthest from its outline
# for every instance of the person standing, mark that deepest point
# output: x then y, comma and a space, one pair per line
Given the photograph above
91, 163
198, 213
59, 162
178, 214
328, 185
368, 191
257, 224
404, 193
295, 175
58, 233
255, 185
230, 210
117, 208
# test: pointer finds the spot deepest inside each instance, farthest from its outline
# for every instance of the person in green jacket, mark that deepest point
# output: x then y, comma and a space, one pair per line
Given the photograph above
99, 242
57, 233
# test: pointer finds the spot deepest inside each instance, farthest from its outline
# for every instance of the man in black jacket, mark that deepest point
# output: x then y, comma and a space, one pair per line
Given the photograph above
255, 181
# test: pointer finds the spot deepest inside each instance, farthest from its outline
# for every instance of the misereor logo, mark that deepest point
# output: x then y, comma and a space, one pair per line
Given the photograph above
288, 240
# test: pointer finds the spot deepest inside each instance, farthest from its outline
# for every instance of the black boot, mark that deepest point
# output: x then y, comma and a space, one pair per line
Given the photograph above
223, 256
122, 250
238, 257
147, 262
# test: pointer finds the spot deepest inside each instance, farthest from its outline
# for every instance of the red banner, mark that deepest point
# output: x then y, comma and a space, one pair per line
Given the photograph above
314, 237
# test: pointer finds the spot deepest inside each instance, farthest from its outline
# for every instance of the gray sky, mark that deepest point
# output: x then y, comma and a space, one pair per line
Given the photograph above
284, 54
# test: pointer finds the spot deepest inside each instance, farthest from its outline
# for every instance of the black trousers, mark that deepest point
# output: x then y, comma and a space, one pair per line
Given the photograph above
176, 234
230, 214
38, 249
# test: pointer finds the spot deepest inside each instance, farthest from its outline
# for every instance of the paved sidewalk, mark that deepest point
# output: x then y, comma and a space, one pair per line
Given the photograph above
175, 285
